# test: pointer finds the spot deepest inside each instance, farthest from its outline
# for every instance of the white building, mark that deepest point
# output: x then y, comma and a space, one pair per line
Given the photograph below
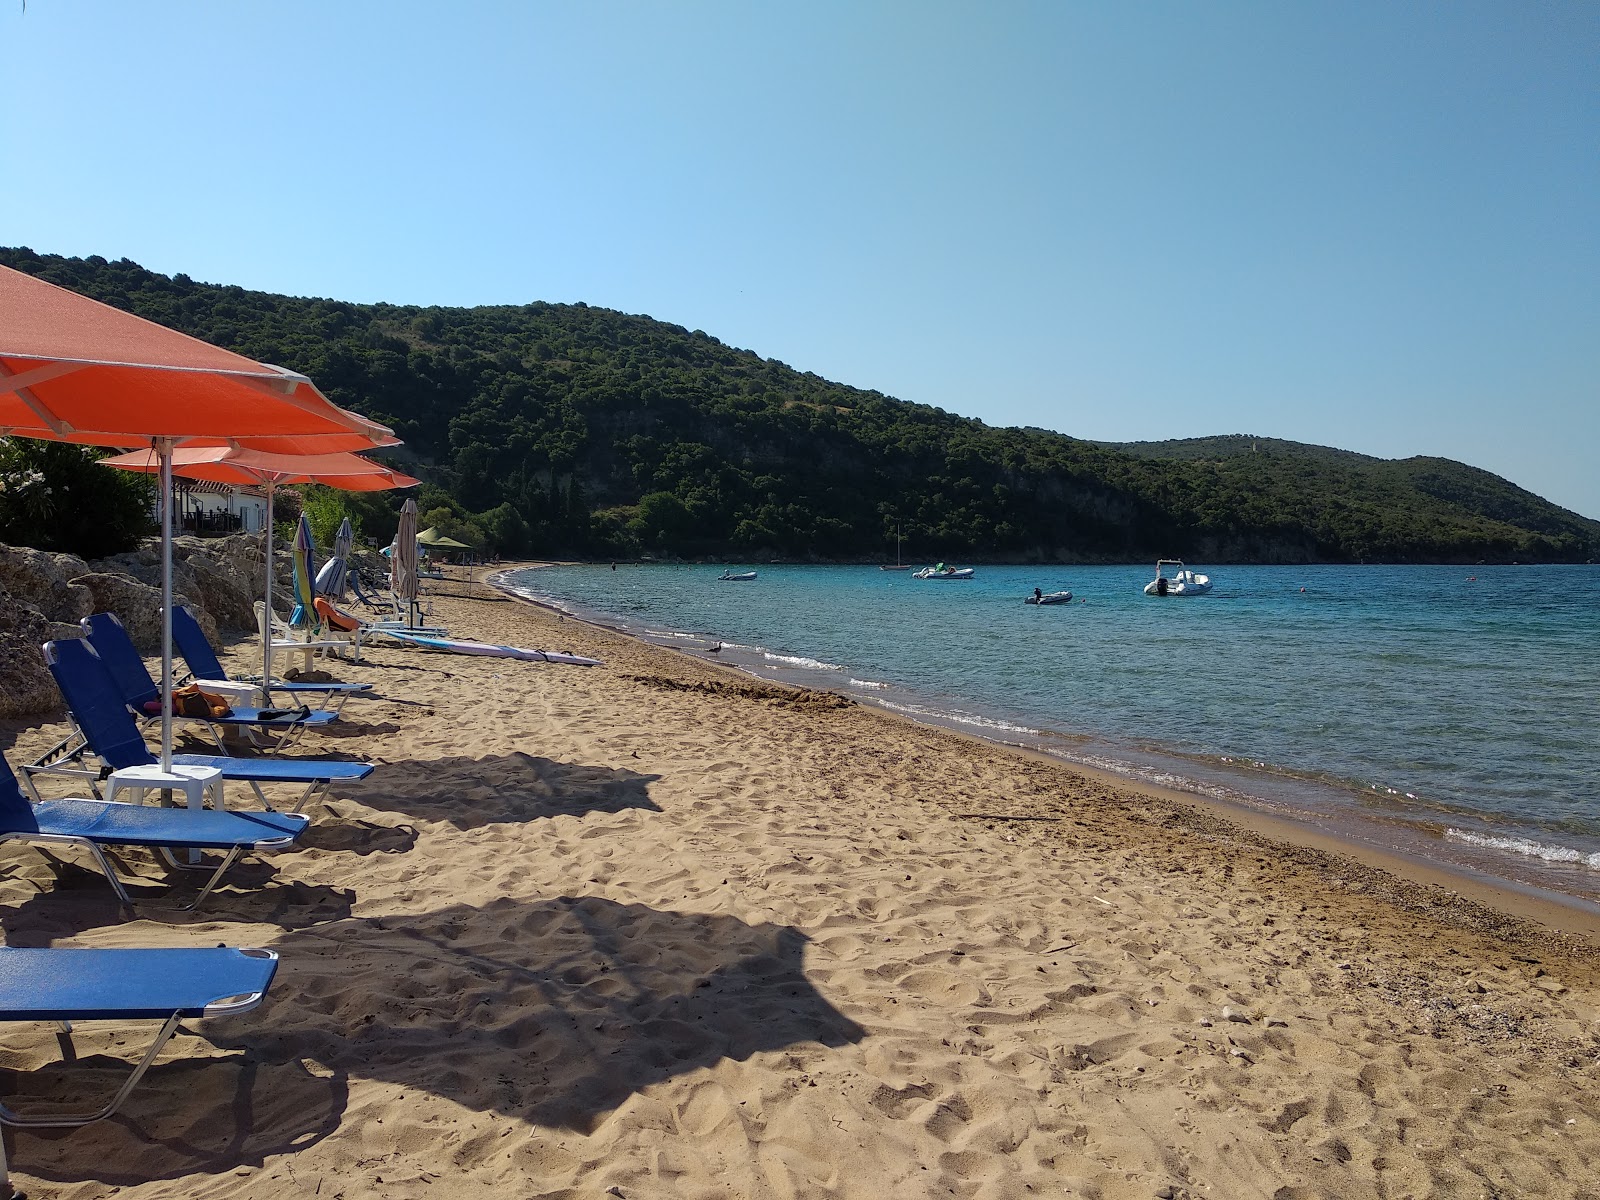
218, 508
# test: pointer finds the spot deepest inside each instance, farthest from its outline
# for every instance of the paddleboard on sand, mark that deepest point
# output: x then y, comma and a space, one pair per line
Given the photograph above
457, 646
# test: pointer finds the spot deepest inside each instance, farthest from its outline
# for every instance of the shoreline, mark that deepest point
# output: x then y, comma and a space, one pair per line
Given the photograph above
1568, 915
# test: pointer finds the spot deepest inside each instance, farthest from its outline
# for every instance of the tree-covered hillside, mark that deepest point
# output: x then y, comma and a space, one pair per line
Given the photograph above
566, 429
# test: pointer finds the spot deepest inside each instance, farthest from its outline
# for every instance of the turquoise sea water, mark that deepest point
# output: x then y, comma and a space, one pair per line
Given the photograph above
1448, 713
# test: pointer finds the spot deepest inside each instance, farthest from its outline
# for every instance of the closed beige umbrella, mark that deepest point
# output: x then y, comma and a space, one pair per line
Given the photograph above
403, 562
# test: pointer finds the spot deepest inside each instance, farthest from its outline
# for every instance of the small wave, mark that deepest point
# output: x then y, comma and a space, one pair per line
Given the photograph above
800, 660
868, 683
670, 633
1527, 846
916, 710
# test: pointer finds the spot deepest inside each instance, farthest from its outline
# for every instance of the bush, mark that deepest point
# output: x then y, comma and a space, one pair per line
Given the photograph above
54, 496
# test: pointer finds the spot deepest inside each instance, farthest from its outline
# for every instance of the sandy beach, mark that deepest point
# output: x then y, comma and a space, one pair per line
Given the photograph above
655, 929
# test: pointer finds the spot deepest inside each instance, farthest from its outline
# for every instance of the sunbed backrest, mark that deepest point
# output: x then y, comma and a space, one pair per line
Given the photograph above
191, 642
121, 658
96, 705
16, 813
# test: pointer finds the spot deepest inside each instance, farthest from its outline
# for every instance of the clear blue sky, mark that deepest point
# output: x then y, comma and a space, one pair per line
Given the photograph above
1368, 225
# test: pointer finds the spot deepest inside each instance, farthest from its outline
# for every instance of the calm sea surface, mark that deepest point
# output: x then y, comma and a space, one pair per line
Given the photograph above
1447, 713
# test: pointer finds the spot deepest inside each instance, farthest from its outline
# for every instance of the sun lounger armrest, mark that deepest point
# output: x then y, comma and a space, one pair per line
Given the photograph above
227, 1006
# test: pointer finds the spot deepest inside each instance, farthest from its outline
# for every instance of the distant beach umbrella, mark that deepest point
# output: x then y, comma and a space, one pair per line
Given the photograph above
305, 613
403, 561
331, 580
224, 464
75, 370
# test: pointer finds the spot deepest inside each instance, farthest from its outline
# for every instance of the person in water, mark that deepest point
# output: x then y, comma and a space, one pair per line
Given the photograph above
1037, 595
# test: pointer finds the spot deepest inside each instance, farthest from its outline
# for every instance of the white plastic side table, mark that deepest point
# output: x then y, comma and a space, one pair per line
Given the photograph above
193, 782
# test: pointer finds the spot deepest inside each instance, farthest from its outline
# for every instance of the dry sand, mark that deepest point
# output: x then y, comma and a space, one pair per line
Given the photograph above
654, 929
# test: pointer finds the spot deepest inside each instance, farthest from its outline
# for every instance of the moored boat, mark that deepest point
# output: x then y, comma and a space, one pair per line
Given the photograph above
1039, 597
736, 576
943, 572
1180, 582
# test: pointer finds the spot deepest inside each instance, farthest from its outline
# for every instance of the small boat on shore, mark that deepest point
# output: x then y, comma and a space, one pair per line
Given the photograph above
943, 572
1180, 582
1039, 597
736, 577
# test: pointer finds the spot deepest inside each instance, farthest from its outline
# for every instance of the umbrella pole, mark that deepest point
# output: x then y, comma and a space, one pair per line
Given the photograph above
266, 617
163, 448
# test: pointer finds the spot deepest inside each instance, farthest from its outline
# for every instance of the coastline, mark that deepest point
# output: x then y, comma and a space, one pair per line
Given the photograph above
659, 929
1567, 914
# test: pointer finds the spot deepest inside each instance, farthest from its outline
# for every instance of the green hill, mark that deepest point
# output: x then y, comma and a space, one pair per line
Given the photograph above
566, 429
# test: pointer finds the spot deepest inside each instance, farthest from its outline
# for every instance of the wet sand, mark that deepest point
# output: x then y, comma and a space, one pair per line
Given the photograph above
658, 929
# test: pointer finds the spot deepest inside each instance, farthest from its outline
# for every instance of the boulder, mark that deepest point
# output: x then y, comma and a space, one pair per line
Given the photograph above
44, 595
46, 582
222, 577
138, 606
26, 686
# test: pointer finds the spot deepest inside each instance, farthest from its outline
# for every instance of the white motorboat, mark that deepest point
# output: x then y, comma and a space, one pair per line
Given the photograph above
1039, 597
943, 572
736, 576
1179, 581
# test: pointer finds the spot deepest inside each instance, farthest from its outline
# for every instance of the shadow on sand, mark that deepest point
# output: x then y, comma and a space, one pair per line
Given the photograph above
551, 1012
500, 789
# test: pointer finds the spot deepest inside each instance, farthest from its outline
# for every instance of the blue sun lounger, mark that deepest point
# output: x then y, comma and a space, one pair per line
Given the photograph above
95, 824
166, 985
106, 729
142, 695
190, 642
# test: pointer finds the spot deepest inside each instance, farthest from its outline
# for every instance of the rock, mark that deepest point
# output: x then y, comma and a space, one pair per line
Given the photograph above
44, 581
1547, 984
26, 686
221, 577
1238, 1018
44, 595
137, 605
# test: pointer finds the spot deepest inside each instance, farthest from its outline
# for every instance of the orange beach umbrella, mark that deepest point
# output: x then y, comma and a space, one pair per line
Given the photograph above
75, 370
219, 464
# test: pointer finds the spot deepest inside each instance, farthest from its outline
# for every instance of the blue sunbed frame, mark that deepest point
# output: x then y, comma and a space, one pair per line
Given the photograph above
95, 824
106, 729
167, 985
122, 658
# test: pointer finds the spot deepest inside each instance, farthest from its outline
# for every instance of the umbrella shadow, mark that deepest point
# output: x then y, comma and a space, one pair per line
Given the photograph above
344, 727
553, 1012
353, 835
500, 789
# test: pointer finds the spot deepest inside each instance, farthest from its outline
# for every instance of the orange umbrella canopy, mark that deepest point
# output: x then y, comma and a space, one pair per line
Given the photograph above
73, 369
220, 464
